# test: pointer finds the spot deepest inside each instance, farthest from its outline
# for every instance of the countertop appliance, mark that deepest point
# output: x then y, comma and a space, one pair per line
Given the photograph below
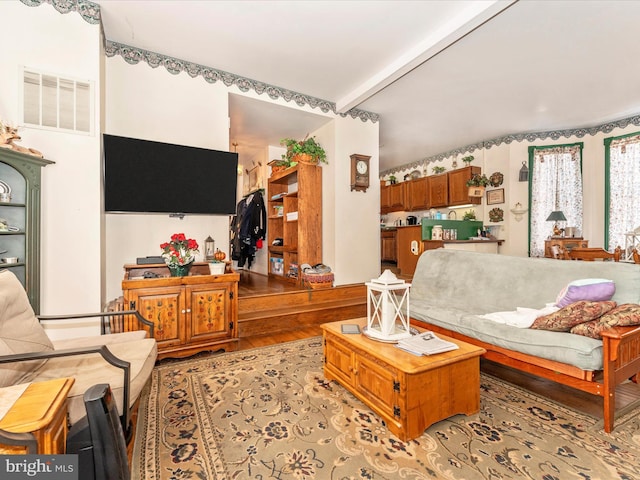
412, 220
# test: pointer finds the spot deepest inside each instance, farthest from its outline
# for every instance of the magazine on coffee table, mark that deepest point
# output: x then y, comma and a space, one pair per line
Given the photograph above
426, 343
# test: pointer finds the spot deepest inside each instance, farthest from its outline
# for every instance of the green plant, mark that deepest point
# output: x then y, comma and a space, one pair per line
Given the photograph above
308, 145
468, 159
393, 179
478, 181
438, 169
469, 215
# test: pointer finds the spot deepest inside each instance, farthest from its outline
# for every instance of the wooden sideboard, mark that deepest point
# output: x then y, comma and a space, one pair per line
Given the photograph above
191, 314
566, 243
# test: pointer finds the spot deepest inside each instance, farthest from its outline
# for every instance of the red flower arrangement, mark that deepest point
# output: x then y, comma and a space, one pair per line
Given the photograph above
180, 250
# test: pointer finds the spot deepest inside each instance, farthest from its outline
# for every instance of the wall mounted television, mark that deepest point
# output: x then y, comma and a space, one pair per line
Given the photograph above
143, 176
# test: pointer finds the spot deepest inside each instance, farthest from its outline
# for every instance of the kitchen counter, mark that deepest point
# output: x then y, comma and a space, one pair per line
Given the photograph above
498, 241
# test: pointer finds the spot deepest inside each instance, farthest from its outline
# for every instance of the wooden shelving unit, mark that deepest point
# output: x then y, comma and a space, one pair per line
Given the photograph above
295, 216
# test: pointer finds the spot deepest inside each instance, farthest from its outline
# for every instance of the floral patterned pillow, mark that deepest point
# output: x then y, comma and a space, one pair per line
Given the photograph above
592, 329
574, 314
623, 315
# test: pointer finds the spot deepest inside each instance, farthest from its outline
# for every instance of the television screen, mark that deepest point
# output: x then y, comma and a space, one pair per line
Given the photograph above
148, 176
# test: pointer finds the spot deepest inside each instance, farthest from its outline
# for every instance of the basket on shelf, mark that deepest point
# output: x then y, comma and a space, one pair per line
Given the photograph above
317, 280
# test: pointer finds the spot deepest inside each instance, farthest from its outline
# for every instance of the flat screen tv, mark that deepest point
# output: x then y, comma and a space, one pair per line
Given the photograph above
155, 177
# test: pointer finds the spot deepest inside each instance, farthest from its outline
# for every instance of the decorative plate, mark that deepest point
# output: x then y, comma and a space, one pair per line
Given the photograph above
4, 187
496, 179
415, 174
496, 215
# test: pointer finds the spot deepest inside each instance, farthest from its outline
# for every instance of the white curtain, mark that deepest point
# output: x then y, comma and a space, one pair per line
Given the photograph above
556, 184
624, 189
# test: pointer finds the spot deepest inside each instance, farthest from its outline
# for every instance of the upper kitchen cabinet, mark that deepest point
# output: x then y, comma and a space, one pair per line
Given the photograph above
417, 194
392, 198
438, 188
458, 190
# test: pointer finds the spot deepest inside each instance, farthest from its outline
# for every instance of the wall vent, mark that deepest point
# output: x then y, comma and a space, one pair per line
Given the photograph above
54, 102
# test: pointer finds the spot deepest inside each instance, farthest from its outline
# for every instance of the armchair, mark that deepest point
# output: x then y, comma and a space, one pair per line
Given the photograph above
122, 360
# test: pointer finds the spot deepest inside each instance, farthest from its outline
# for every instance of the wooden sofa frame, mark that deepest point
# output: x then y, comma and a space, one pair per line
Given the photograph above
621, 361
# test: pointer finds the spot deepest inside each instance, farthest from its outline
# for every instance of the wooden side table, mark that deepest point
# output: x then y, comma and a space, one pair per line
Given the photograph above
41, 410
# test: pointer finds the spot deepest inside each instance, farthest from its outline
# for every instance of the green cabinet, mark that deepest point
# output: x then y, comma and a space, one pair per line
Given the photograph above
20, 213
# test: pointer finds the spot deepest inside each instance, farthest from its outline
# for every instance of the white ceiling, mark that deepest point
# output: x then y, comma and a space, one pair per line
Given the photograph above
440, 74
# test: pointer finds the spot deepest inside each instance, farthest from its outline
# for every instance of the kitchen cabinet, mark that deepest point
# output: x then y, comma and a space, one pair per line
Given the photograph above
457, 186
190, 314
20, 174
438, 190
408, 251
392, 198
417, 194
388, 246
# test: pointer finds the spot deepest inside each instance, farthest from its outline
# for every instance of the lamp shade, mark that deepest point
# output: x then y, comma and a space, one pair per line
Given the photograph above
556, 216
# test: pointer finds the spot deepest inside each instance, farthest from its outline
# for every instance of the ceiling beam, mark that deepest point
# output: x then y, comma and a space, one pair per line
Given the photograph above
466, 21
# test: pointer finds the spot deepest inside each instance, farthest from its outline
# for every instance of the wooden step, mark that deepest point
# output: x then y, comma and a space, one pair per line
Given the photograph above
282, 312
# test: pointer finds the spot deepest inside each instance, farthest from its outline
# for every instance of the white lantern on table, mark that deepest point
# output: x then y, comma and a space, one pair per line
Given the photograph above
388, 308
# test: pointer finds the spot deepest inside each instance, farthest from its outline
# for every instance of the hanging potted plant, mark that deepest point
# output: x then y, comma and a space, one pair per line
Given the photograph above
477, 185
307, 150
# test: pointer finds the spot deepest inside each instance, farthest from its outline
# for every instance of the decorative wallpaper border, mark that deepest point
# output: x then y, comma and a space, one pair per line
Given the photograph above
90, 12
519, 137
134, 55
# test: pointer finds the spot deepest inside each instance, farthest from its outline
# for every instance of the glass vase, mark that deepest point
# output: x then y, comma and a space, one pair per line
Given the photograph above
176, 270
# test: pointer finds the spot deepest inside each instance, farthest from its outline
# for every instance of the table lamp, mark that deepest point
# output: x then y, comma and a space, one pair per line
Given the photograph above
556, 216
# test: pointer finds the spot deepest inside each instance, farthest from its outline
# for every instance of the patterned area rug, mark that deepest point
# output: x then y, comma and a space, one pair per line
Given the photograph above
269, 413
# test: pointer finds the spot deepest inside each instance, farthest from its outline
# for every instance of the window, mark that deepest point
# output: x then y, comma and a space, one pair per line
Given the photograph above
55, 102
555, 184
622, 189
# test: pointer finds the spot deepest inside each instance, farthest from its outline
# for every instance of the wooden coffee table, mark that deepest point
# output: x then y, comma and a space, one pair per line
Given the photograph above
409, 392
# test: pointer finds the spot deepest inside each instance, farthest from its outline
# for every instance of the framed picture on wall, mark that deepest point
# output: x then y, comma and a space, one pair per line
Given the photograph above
495, 196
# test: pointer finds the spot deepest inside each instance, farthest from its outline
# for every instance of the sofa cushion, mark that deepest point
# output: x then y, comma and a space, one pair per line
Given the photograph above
571, 315
91, 369
20, 330
592, 289
580, 351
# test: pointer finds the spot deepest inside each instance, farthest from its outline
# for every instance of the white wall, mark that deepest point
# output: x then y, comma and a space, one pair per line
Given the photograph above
68, 46
152, 104
351, 233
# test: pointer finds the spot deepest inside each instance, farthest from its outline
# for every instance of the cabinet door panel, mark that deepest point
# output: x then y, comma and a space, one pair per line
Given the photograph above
458, 190
339, 359
209, 313
418, 194
438, 190
375, 381
163, 307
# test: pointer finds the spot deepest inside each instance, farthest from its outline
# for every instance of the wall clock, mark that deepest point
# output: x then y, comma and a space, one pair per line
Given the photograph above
360, 172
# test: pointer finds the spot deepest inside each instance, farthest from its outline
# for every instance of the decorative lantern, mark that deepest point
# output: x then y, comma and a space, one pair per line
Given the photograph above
523, 176
209, 248
388, 308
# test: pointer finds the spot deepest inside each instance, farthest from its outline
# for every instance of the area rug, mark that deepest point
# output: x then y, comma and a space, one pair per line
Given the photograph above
269, 413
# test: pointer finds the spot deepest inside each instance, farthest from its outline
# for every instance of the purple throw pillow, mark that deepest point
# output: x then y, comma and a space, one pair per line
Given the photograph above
591, 289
